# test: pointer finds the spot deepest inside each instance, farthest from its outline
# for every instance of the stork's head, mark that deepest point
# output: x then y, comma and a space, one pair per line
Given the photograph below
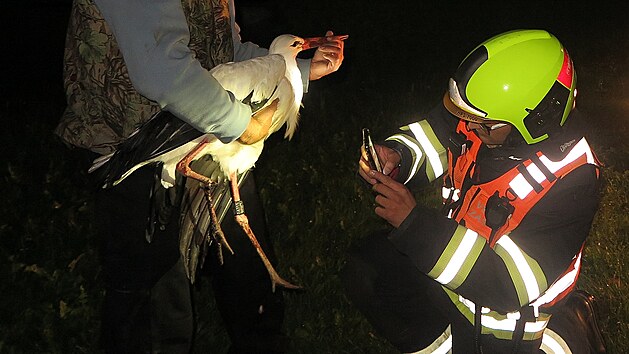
290, 45
287, 45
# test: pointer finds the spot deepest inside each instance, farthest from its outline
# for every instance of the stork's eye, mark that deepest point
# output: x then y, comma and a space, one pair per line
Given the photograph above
295, 44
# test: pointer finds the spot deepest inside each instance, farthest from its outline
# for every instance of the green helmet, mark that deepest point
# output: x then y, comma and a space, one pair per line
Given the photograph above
522, 77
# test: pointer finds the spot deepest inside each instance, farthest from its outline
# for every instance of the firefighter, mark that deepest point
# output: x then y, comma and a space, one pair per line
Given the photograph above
493, 271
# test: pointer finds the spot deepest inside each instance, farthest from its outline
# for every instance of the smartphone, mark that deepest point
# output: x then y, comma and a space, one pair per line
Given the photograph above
372, 157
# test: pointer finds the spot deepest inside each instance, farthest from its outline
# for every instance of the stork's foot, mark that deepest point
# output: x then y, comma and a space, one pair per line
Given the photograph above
243, 221
216, 233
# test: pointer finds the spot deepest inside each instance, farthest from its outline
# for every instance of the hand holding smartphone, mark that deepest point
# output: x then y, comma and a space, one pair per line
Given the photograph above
372, 157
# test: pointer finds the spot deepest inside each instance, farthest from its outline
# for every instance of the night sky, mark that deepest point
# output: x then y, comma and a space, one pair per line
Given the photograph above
412, 34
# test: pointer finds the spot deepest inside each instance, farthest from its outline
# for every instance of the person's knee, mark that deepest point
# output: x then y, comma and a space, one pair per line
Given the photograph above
357, 277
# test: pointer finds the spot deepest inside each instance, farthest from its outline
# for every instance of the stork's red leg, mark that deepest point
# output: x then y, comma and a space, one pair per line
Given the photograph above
243, 221
183, 166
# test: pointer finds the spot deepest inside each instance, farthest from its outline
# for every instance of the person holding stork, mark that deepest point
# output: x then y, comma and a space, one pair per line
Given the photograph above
125, 62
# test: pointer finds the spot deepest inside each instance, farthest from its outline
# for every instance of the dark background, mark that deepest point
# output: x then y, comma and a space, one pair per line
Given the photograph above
387, 38
393, 44
398, 59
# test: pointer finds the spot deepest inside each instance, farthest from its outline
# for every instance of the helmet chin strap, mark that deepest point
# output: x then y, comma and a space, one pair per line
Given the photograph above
514, 139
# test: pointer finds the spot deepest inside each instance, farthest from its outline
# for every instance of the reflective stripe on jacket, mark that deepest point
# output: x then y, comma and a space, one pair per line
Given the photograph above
515, 271
513, 194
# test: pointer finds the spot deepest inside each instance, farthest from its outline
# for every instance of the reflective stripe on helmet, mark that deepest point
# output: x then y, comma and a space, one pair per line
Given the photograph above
464, 111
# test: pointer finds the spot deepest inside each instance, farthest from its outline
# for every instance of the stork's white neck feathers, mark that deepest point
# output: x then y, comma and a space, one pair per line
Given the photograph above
283, 45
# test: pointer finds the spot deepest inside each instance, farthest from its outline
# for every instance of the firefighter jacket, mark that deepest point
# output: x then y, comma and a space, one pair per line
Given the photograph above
512, 227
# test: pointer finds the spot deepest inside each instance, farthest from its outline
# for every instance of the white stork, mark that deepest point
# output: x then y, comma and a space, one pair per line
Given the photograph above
175, 144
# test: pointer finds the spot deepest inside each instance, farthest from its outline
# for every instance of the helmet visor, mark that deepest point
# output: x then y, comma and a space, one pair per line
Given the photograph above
463, 114
456, 105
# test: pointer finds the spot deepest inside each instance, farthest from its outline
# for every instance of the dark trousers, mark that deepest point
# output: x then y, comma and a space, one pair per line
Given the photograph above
148, 307
404, 305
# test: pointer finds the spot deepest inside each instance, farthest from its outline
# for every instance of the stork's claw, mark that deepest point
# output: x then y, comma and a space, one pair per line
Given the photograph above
243, 221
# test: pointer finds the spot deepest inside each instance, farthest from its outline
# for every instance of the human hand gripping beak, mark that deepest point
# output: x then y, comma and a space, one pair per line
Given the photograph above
328, 57
394, 202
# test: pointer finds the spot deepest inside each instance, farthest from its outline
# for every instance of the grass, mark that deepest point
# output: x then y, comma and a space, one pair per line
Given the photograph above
399, 56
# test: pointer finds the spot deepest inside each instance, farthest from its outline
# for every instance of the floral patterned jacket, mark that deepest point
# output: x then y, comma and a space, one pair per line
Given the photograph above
103, 107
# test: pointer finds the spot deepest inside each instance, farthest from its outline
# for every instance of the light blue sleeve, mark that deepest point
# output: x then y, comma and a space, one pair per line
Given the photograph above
153, 37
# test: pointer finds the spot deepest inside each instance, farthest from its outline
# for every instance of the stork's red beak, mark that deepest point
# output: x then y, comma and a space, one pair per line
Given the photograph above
315, 42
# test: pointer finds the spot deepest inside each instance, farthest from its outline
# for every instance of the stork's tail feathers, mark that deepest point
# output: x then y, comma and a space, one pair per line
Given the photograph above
99, 162
162, 133
202, 210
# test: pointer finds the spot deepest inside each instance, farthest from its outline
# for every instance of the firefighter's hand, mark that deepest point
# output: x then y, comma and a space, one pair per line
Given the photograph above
389, 159
394, 201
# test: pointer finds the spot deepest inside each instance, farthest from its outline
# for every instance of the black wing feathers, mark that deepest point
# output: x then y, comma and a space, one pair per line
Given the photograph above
162, 133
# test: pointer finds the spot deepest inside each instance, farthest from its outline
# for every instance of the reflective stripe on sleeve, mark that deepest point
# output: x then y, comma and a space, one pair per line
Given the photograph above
436, 153
416, 152
552, 343
458, 258
441, 345
527, 276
